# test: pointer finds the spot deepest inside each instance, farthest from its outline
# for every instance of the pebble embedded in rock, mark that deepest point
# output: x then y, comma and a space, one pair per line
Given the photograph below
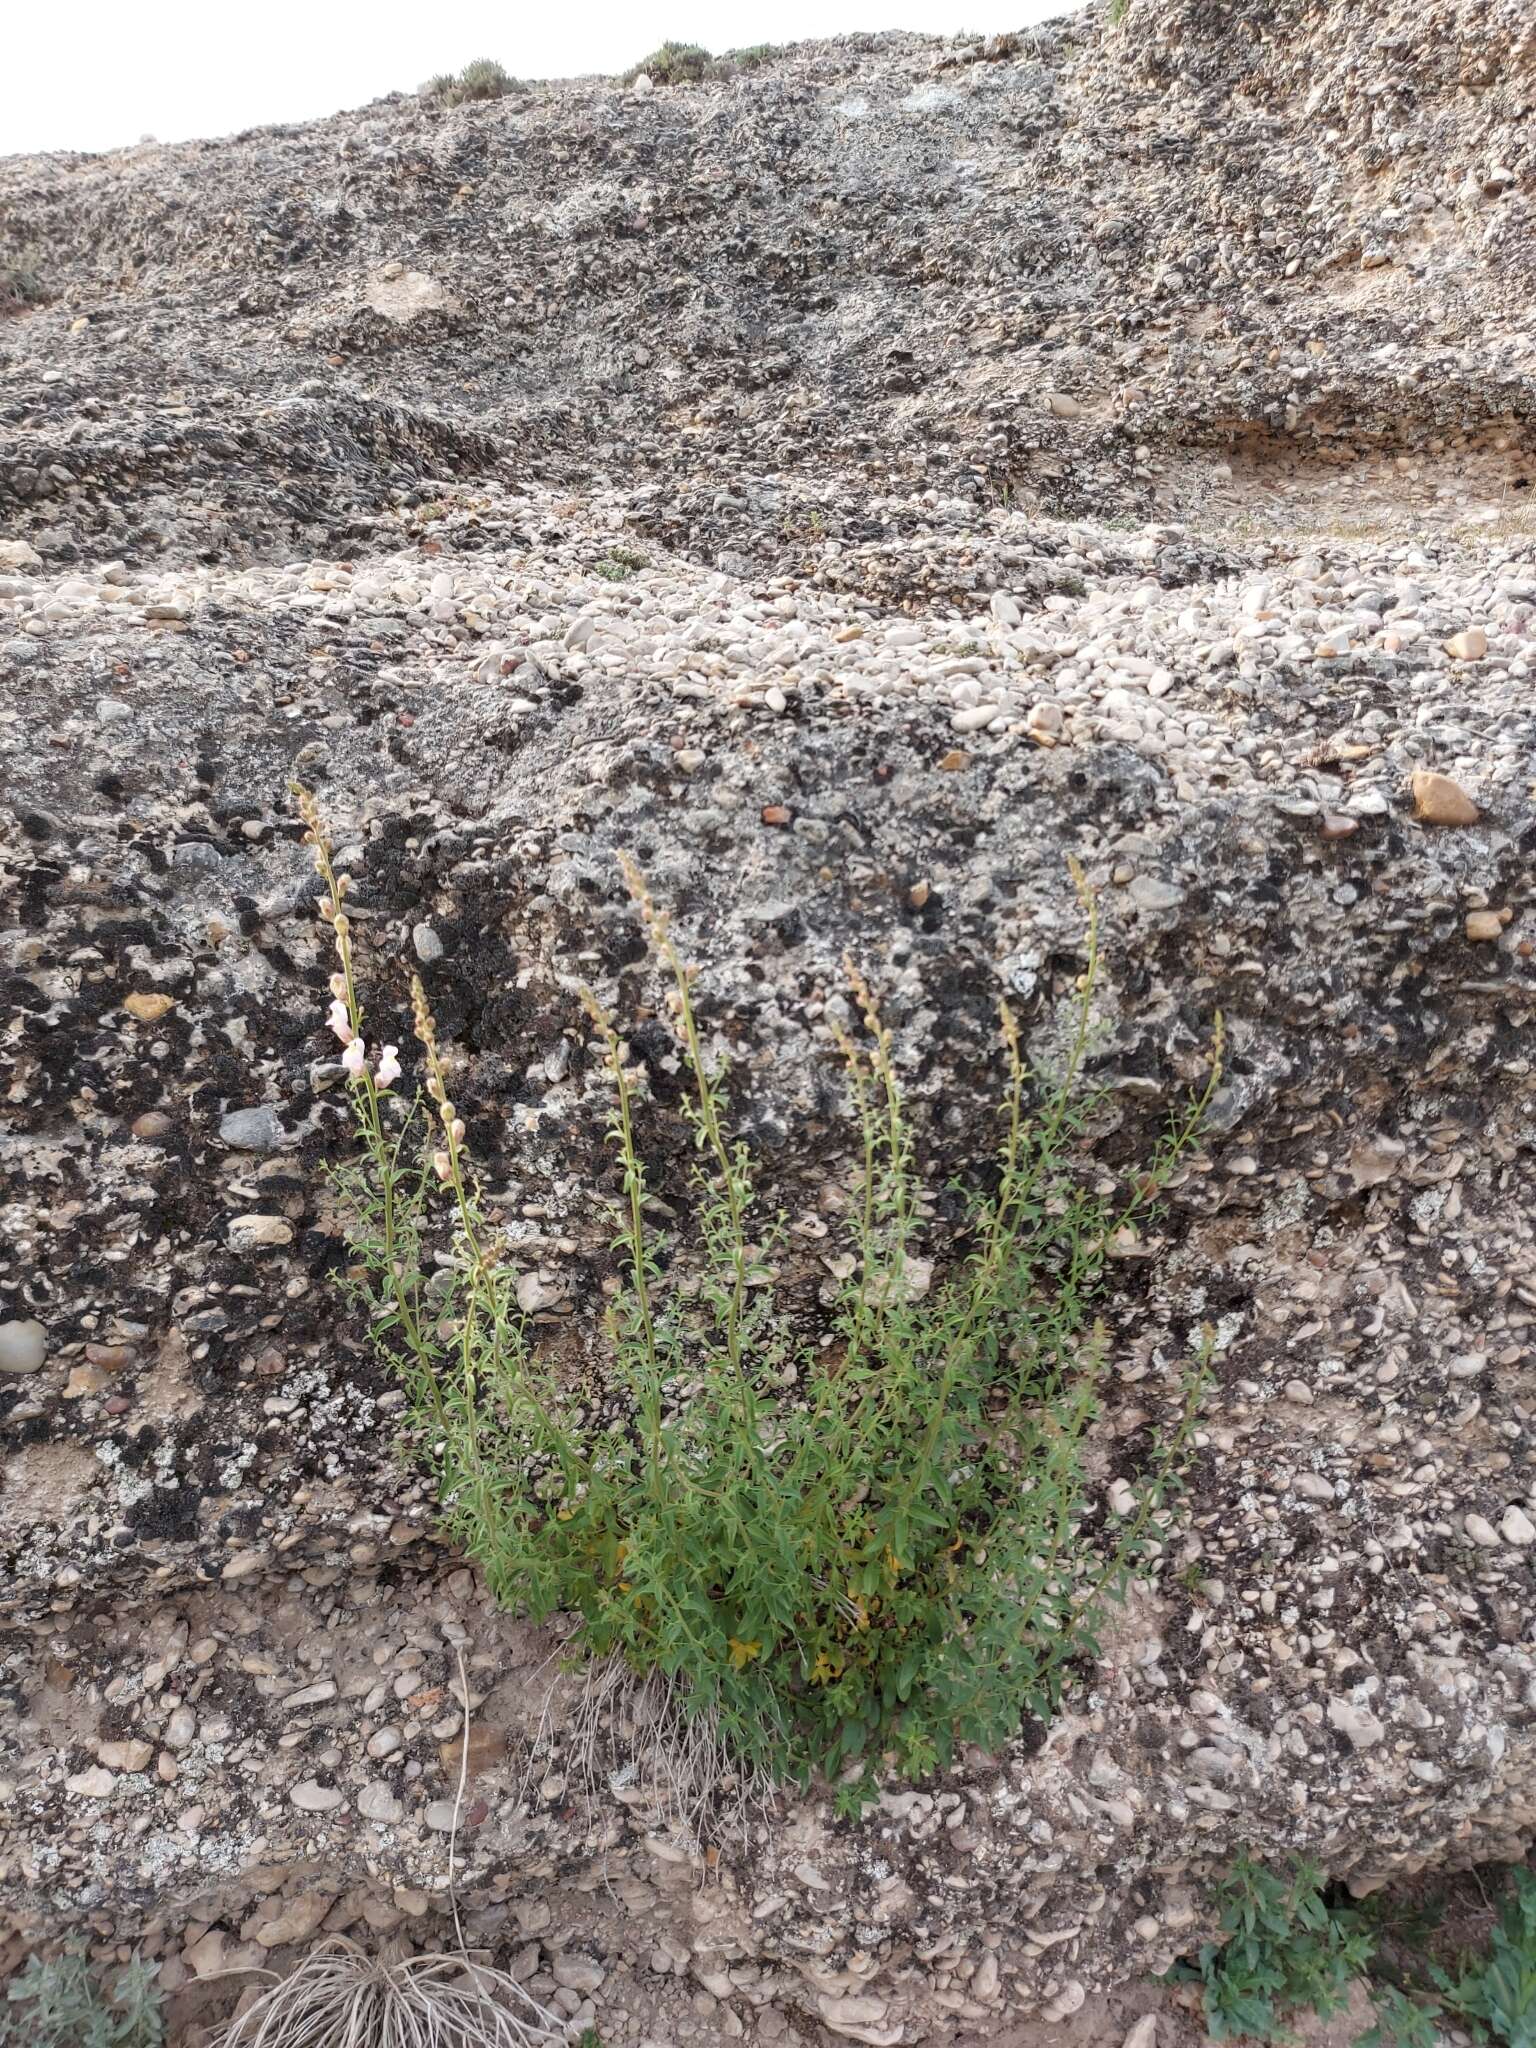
310, 1796
132, 1755
578, 1973
252, 1130
1362, 1728
1147, 892
148, 1006
23, 1346
258, 1233
429, 948
1437, 800
376, 1802
96, 1783
1469, 646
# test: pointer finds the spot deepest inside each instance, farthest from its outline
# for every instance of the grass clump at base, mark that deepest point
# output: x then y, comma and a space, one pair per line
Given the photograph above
672, 64
63, 2003
871, 1546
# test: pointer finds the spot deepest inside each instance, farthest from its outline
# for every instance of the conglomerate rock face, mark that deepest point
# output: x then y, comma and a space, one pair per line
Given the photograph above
853, 485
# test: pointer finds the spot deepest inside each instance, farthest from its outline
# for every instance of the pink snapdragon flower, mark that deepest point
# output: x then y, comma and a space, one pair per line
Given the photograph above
352, 1058
389, 1066
340, 1022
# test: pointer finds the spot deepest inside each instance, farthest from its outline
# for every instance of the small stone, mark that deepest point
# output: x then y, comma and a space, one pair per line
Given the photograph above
384, 1743
125, 1756
1143, 2034
429, 948
777, 814
1484, 925
1482, 1531
252, 1130
180, 1728
148, 1006
377, 1802
1440, 801
112, 710
1359, 1724
577, 1973
310, 1695
1337, 825
154, 1123
1148, 893
258, 1233
1063, 407
205, 1957
95, 1783
310, 1796
23, 1346
1517, 1526
1469, 646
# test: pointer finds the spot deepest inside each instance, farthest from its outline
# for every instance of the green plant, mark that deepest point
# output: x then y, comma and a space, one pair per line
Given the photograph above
619, 564
753, 55
673, 64
484, 79
1283, 1952
1495, 1995
870, 1545
1117, 11
62, 2003
1401, 2021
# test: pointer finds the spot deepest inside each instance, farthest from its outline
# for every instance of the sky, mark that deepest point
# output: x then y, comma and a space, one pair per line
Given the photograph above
99, 74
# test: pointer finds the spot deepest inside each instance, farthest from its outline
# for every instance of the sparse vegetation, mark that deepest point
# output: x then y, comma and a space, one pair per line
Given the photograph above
754, 55
1494, 1994
1288, 1951
619, 564
21, 281
484, 79
63, 2003
840, 1551
1283, 1952
673, 64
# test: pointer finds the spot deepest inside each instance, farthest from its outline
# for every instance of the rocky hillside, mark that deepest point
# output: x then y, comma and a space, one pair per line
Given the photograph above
853, 483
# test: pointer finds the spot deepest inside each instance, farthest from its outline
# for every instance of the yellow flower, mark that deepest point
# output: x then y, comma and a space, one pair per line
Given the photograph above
743, 1653
825, 1669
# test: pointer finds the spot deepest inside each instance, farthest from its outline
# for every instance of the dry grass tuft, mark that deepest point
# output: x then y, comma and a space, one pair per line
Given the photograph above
341, 1997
